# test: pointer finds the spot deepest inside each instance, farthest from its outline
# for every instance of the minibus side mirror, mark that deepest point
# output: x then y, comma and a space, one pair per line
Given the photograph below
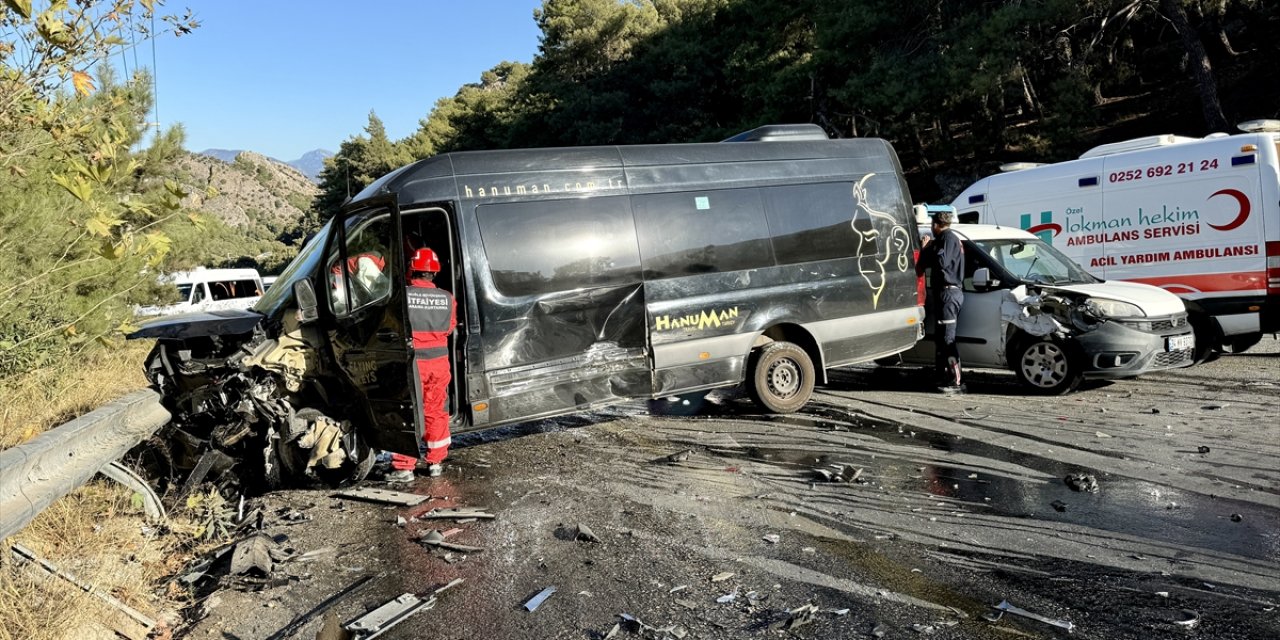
305, 295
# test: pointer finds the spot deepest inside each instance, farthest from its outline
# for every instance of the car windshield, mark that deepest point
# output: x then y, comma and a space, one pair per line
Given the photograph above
1033, 261
281, 292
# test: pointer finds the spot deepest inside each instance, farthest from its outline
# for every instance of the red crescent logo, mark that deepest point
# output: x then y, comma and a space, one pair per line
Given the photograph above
1245, 208
1050, 226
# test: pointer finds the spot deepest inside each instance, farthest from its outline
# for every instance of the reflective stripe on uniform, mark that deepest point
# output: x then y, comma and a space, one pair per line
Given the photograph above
952, 321
433, 352
436, 444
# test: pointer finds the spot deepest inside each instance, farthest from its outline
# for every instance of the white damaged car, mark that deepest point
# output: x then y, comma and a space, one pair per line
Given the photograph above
1029, 308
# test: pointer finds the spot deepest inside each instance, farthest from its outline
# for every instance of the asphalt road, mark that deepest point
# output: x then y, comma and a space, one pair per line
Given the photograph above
960, 503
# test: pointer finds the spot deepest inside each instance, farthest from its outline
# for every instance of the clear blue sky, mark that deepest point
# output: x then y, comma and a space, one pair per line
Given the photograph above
283, 77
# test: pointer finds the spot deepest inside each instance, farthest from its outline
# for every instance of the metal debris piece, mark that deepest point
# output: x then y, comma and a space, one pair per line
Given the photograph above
1058, 506
434, 538
721, 577
458, 513
585, 534
839, 612
678, 588
800, 616
680, 456
772, 538
384, 495
536, 601
1004, 606
328, 603
1100, 434
150, 501
136, 624
390, 614
252, 553
1082, 482
841, 473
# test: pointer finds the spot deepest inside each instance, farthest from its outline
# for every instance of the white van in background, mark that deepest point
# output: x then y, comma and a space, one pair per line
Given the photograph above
209, 290
1199, 217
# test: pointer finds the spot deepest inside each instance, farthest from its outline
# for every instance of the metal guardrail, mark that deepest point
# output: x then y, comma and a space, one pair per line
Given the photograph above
35, 474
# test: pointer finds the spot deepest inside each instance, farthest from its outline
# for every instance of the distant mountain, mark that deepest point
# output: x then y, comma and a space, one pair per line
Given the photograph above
310, 164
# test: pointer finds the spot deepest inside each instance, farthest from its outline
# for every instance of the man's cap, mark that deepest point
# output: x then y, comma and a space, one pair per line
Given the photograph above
943, 217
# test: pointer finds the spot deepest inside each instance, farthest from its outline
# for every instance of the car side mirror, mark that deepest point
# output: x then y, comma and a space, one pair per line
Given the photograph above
982, 279
305, 295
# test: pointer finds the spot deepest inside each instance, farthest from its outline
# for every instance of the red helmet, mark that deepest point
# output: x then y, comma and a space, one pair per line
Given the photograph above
424, 260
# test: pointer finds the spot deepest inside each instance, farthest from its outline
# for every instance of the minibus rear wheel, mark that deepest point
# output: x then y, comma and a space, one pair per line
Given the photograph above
781, 377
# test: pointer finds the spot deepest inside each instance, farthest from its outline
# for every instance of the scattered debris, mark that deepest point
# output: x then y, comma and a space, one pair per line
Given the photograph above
1202, 449
680, 456
678, 588
460, 514
400, 521
878, 631
1213, 407
721, 577
328, 603
772, 538
252, 553
133, 625
838, 612
1190, 620
1058, 506
1005, 607
1082, 482
390, 614
585, 534
1154, 411
1235, 517
612, 632
536, 601
841, 473
924, 629
727, 598
384, 495
434, 538
800, 616
688, 604
1163, 594
1100, 434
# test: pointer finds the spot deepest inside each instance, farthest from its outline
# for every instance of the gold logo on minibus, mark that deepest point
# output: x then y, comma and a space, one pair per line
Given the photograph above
706, 319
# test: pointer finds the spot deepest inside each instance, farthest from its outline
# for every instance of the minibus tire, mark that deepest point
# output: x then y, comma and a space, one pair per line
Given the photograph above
1047, 353
1241, 343
781, 377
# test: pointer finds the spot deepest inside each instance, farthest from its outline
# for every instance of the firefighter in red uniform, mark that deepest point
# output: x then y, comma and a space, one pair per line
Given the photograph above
432, 318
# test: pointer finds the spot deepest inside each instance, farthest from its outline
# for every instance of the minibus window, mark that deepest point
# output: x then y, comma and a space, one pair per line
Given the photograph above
184, 292
811, 222
559, 245
702, 232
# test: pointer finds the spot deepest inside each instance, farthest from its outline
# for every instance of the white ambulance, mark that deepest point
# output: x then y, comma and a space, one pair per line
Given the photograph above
1199, 217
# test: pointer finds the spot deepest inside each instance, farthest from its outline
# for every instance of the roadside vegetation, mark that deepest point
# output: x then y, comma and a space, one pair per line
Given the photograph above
957, 87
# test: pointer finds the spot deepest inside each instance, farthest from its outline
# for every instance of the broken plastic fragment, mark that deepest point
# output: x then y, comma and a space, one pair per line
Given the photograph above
772, 538
726, 598
721, 577
1061, 624
586, 534
536, 601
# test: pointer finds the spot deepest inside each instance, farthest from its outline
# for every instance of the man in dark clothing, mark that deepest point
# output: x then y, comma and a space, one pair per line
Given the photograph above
432, 317
944, 256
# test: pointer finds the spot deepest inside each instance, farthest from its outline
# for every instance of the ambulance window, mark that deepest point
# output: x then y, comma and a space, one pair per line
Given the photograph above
559, 245
702, 232
812, 222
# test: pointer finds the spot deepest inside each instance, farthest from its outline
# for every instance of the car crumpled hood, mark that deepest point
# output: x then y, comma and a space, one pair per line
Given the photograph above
1153, 301
201, 323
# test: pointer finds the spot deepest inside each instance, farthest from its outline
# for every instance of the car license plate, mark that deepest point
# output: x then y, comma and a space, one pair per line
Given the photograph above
1178, 343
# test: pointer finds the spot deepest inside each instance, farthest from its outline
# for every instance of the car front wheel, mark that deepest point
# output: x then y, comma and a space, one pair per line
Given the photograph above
1047, 367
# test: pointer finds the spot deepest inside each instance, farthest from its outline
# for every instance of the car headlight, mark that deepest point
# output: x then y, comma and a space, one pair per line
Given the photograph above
1116, 309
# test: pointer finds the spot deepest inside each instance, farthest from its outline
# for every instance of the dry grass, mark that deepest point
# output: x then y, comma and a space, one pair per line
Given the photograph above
47, 398
96, 532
